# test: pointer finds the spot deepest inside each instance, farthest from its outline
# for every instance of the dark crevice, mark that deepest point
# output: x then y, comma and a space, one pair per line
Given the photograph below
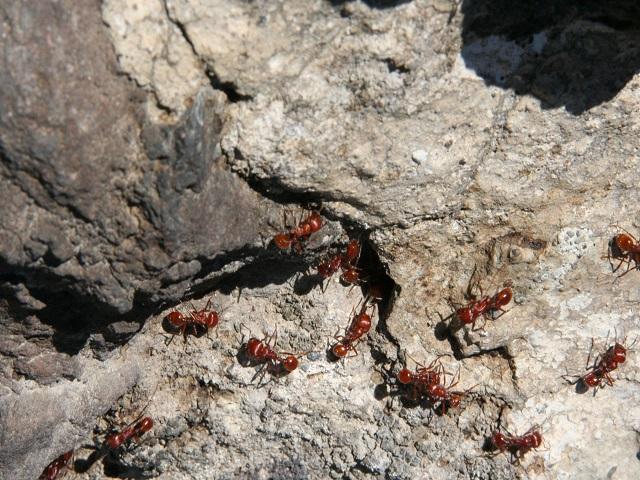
274, 189
229, 88
376, 4
393, 66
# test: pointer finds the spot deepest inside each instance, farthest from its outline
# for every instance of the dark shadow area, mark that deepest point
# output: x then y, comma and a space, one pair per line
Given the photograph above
74, 317
575, 54
578, 382
259, 274
114, 467
488, 446
379, 4
370, 275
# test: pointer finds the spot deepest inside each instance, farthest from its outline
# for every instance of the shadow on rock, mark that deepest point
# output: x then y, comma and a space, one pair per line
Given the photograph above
378, 4
575, 54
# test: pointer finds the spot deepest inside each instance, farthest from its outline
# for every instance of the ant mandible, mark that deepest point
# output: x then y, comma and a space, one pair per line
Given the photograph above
306, 227
359, 326
196, 322
54, 468
518, 446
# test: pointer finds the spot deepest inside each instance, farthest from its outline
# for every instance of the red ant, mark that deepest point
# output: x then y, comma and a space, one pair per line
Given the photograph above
517, 445
470, 313
261, 351
359, 326
346, 262
54, 468
196, 322
307, 226
422, 378
437, 392
626, 248
604, 364
132, 431
477, 308
328, 267
351, 273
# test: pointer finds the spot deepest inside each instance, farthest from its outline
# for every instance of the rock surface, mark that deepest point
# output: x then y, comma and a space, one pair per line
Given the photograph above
459, 140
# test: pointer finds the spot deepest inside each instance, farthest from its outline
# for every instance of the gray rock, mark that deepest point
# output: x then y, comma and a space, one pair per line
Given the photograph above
527, 115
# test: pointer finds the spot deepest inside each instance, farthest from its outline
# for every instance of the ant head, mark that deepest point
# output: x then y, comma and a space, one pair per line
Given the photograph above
314, 221
282, 241
114, 440
350, 276
212, 319
455, 399
254, 347
340, 350
405, 376
353, 250
499, 441
290, 363
144, 425
465, 315
176, 318
536, 439
624, 242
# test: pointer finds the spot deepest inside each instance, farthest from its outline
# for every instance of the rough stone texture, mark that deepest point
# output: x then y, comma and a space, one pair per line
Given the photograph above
500, 137
105, 209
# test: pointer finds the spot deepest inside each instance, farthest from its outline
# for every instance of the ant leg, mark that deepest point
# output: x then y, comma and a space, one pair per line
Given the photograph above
259, 373
589, 356
473, 325
171, 339
455, 379
609, 380
469, 292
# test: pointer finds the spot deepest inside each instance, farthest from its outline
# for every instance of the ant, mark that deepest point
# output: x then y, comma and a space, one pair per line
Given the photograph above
359, 326
132, 431
351, 273
437, 392
261, 351
54, 468
346, 262
518, 446
626, 248
306, 227
422, 378
477, 308
196, 322
604, 364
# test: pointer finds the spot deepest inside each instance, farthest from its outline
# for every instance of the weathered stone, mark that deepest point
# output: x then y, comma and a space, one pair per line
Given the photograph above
521, 117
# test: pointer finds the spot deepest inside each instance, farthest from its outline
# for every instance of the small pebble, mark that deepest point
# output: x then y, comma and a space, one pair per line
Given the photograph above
419, 156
